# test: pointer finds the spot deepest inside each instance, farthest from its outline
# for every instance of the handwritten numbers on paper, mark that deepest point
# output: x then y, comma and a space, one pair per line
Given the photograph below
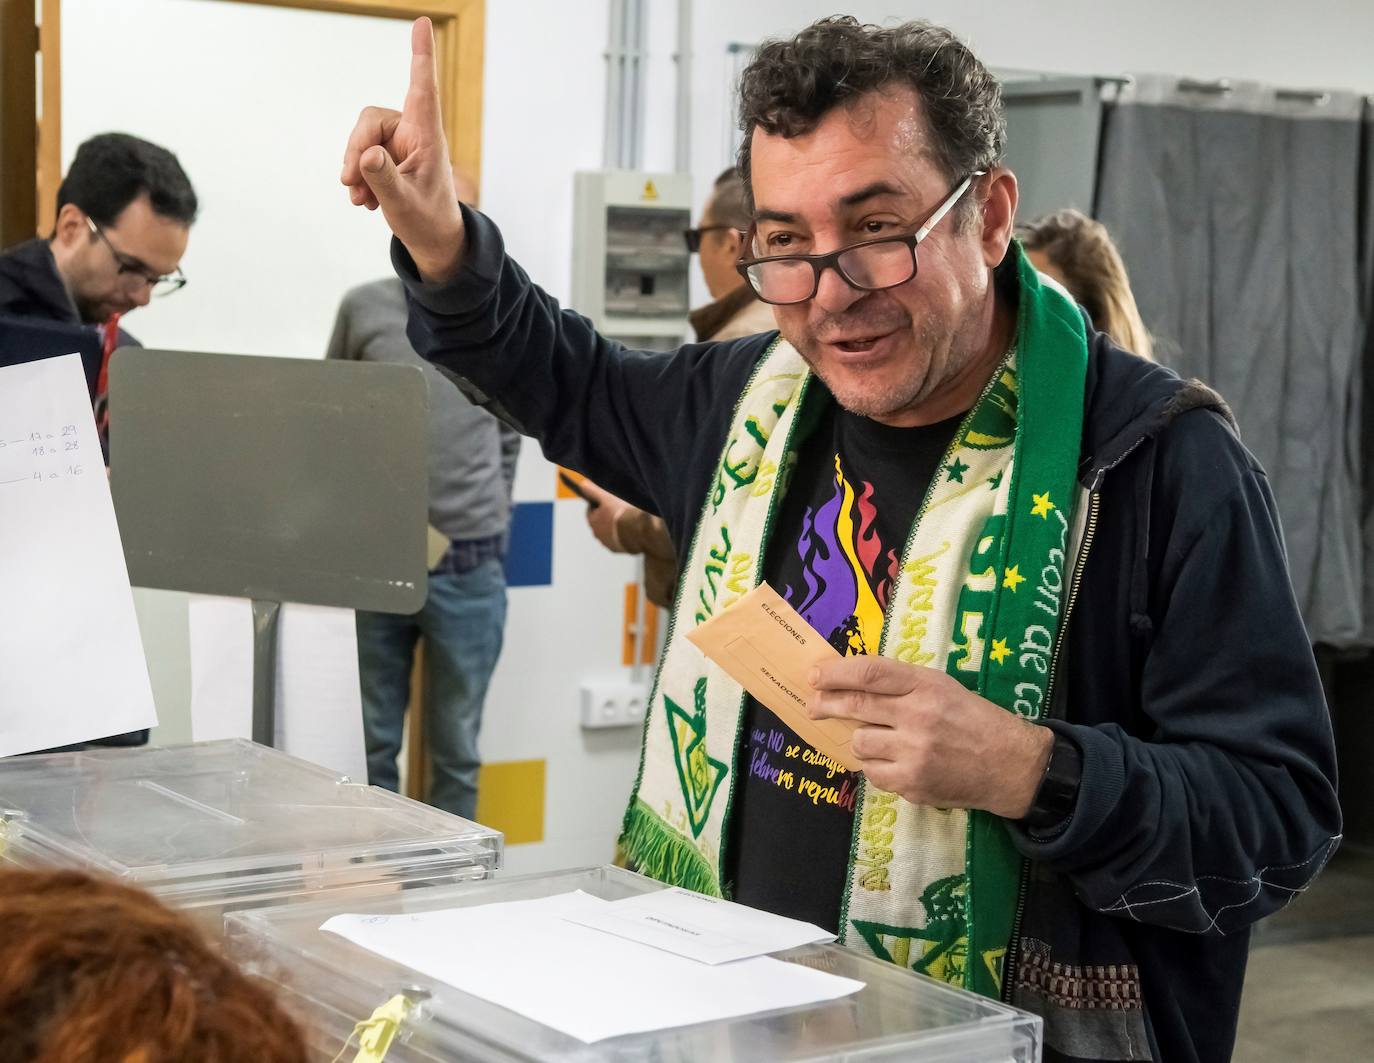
62, 442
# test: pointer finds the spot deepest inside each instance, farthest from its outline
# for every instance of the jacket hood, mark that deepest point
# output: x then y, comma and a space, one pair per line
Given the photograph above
1128, 400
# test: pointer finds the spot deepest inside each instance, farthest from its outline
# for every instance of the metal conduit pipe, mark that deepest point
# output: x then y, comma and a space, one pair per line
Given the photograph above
623, 144
682, 141
615, 65
633, 153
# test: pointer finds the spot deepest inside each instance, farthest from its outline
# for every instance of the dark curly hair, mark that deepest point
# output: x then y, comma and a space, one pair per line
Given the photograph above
792, 84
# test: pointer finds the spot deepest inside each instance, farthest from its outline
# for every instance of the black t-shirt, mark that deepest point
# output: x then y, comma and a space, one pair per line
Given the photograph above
834, 554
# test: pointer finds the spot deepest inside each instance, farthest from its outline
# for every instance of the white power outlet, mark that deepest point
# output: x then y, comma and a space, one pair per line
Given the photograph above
616, 702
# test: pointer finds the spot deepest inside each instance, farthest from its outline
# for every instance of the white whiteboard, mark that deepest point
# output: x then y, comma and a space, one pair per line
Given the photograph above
256, 102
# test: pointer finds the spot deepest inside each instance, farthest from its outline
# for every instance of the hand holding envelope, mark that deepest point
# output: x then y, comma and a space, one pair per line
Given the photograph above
921, 734
766, 647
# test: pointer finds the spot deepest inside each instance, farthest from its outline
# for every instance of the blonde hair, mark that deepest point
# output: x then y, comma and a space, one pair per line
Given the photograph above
1083, 252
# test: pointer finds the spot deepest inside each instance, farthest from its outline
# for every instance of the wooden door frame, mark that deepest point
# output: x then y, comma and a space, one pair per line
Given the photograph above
21, 128
18, 114
459, 36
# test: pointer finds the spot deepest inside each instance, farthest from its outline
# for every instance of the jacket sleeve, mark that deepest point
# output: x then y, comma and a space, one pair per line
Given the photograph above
646, 426
1219, 806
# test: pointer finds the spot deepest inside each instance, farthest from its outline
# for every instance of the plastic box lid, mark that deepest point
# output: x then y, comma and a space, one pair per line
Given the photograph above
202, 823
329, 984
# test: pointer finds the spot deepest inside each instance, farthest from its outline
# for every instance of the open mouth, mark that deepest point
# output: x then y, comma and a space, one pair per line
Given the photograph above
858, 344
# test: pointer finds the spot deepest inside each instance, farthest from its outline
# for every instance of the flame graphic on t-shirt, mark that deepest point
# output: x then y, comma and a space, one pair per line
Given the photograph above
841, 550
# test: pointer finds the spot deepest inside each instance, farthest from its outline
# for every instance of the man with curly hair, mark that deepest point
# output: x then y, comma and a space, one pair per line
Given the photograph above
1093, 742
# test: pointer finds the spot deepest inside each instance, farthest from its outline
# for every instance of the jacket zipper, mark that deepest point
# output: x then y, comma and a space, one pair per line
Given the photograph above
1094, 498
1013, 956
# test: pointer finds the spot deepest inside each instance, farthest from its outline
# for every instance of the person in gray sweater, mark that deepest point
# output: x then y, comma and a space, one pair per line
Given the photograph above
471, 468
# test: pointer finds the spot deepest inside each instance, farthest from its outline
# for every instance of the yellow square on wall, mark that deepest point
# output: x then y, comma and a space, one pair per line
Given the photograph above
510, 798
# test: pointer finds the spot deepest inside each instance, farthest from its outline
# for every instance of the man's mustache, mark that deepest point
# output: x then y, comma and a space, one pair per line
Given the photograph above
860, 320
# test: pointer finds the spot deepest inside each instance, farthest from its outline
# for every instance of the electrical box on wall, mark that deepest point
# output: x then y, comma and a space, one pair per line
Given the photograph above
630, 262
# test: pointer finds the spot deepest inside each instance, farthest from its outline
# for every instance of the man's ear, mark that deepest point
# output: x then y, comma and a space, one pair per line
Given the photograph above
71, 228
734, 242
999, 213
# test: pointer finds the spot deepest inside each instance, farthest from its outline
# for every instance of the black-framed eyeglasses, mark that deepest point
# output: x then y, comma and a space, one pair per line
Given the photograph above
868, 266
693, 236
159, 283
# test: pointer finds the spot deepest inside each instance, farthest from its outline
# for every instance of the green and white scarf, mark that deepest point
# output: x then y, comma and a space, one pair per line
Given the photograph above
980, 594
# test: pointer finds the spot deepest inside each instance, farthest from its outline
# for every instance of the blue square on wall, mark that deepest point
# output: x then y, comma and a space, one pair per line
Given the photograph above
529, 561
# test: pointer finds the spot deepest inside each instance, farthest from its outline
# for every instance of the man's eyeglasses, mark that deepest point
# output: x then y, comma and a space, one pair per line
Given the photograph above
159, 283
693, 236
868, 266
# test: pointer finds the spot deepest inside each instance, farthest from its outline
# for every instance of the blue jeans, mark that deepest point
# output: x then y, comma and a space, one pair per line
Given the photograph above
463, 622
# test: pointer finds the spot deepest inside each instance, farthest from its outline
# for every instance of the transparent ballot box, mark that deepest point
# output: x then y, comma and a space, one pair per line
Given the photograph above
330, 984
217, 826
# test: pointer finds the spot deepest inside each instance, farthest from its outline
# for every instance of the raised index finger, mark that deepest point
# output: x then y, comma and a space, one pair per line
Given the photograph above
422, 98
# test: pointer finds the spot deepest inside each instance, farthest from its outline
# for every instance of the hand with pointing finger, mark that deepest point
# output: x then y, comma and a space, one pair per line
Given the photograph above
929, 739
604, 511
398, 160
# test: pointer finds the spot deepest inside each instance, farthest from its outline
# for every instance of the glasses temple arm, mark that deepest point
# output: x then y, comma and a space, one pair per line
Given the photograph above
948, 205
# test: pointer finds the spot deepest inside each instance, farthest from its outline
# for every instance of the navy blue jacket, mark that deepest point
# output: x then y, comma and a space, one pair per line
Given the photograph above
1207, 797
30, 286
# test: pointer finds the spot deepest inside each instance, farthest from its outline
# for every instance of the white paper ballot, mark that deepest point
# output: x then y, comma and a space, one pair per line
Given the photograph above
518, 955
71, 661
221, 667
319, 696
705, 929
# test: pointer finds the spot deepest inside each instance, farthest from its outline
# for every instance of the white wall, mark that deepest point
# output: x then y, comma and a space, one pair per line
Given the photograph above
256, 106
278, 243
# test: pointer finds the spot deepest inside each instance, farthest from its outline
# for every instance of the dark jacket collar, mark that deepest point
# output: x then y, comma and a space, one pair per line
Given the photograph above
30, 285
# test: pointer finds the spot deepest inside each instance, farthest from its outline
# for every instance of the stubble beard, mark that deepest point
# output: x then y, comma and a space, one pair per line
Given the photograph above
870, 398
91, 312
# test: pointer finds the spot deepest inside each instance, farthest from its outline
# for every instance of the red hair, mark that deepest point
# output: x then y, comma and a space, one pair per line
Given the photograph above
92, 971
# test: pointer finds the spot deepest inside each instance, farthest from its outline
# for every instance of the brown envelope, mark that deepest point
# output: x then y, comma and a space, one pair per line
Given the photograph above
766, 646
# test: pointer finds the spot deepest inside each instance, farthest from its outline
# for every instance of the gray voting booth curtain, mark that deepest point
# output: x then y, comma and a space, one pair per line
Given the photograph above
1239, 214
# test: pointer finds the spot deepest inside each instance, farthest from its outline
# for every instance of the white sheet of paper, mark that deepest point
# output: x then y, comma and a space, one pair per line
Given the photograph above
517, 954
701, 928
319, 696
71, 660
221, 667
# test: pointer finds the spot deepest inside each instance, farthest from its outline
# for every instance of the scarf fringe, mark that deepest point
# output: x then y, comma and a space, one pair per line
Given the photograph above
649, 846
